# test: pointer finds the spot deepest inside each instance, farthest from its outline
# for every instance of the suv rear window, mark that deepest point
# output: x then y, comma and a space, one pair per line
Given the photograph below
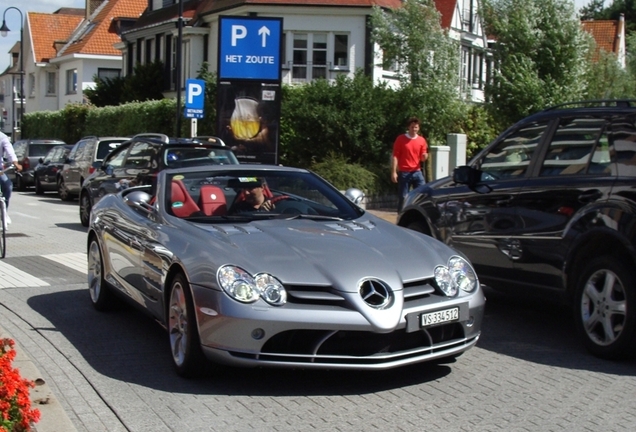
40, 150
105, 147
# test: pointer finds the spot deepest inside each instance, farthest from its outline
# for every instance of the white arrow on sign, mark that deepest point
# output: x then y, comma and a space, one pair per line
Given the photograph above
264, 32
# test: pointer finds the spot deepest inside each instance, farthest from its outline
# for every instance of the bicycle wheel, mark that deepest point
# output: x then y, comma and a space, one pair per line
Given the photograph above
3, 240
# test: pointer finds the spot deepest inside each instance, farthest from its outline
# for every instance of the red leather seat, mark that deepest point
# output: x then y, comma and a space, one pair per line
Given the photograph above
181, 203
212, 201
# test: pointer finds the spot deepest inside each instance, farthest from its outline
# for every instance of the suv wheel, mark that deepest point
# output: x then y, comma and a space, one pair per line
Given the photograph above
19, 183
63, 191
605, 308
85, 209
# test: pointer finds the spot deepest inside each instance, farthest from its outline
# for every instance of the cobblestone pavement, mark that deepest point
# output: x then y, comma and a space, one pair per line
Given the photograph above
112, 371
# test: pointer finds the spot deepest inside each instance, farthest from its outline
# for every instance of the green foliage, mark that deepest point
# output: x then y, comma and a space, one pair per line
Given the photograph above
106, 91
540, 56
479, 128
145, 83
336, 169
608, 80
350, 117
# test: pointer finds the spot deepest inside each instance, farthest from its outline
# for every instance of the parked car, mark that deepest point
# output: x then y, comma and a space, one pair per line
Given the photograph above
49, 168
309, 281
549, 208
138, 160
28, 152
80, 163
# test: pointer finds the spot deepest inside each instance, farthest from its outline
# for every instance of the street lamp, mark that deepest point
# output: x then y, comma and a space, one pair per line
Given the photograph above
4, 30
179, 65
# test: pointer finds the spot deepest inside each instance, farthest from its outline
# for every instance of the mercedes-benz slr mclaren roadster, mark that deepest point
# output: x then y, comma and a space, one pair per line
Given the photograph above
273, 266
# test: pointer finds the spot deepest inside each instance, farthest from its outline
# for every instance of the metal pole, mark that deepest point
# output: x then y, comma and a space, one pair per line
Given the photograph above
179, 61
4, 30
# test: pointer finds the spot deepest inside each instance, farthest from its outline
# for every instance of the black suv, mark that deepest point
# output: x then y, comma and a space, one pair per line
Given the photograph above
550, 208
137, 162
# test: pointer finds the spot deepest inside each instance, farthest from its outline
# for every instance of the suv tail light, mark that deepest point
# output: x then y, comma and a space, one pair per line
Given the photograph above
91, 170
25, 163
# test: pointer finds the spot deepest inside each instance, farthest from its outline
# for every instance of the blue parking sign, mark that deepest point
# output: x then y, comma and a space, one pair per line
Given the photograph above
250, 48
195, 98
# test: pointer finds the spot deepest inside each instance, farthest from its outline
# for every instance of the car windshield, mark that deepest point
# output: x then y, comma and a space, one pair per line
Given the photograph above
105, 147
246, 195
179, 157
38, 150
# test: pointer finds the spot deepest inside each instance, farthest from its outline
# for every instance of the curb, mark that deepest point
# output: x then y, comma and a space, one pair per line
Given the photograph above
53, 418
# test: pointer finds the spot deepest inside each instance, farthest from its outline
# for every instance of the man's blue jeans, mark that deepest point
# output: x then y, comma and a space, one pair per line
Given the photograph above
406, 182
6, 186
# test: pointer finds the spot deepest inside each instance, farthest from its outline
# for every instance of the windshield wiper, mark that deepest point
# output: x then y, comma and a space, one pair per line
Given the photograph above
314, 217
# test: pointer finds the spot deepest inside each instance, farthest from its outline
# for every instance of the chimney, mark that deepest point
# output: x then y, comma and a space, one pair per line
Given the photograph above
91, 6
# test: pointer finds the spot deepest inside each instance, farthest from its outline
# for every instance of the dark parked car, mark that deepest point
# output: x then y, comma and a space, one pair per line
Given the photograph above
81, 163
28, 152
49, 168
138, 160
550, 208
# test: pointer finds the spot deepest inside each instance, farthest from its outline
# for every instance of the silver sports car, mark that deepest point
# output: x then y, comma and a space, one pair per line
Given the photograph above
272, 266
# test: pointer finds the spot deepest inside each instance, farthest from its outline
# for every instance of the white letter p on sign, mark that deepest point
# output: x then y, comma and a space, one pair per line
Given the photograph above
193, 91
238, 32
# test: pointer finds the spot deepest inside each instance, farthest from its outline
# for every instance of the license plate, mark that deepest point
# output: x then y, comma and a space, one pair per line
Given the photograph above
438, 317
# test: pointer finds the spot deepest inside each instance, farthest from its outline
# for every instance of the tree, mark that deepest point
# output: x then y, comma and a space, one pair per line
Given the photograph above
427, 60
540, 56
145, 83
108, 91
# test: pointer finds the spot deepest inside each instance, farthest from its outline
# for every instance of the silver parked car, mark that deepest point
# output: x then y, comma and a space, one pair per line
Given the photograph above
272, 266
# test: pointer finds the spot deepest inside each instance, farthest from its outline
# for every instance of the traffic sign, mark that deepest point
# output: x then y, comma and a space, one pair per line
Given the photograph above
250, 48
195, 98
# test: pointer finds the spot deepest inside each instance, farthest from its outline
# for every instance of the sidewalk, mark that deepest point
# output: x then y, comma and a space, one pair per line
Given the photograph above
53, 418
386, 214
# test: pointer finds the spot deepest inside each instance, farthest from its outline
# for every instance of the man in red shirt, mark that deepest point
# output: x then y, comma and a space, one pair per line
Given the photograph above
409, 151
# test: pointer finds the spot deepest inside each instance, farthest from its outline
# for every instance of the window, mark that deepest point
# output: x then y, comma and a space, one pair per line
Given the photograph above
465, 69
31, 85
71, 81
309, 56
148, 51
511, 157
141, 155
108, 74
51, 80
571, 146
624, 144
341, 50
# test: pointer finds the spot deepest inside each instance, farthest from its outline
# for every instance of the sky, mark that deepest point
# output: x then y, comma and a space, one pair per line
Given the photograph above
12, 18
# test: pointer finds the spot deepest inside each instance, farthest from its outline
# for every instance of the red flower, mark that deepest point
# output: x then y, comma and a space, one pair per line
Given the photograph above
16, 414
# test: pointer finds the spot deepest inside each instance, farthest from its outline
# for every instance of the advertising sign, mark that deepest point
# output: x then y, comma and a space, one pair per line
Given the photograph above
250, 48
248, 118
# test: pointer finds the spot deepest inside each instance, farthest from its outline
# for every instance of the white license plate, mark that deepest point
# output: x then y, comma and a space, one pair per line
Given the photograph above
439, 317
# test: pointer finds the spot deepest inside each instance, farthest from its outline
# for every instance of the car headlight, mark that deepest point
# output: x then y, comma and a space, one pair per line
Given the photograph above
241, 286
458, 274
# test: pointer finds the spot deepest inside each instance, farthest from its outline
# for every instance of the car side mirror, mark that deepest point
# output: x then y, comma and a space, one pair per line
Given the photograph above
356, 196
41, 160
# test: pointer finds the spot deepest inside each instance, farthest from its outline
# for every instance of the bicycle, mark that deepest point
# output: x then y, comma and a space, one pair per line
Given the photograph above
3, 219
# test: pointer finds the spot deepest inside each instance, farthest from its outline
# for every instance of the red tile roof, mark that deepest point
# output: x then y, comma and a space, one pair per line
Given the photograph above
46, 29
97, 37
446, 8
605, 33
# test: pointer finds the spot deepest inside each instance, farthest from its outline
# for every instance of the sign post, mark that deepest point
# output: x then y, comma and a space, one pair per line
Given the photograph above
248, 89
195, 102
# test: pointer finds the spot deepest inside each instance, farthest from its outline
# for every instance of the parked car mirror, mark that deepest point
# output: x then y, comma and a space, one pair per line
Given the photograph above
471, 177
41, 160
355, 195
139, 200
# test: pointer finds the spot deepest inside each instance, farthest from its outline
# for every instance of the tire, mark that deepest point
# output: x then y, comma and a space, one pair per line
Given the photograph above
605, 308
3, 238
100, 293
85, 209
19, 183
62, 191
185, 345
419, 226
39, 190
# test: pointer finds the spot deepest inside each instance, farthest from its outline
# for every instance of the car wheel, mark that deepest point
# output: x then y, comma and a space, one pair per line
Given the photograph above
185, 345
605, 308
85, 209
19, 183
63, 191
39, 190
419, 226
97, 287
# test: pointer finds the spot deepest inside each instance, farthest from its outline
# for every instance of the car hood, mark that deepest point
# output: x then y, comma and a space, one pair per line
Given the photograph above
336, 254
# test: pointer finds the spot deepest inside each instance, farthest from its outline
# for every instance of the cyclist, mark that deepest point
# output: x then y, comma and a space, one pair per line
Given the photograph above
6, 185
